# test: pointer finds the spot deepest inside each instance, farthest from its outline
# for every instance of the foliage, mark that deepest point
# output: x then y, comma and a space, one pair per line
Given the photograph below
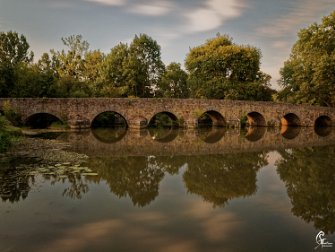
308, 174
308, 75
174, 82
223, 70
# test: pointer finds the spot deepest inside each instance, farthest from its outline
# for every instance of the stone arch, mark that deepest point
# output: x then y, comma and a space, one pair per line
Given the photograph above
211, 118
109, 119
323, 121
41, 120
255, 119
290, 119
164, 119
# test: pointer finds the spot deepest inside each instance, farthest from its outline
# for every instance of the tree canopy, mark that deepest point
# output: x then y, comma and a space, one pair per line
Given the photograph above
218, 69
308, 75
223, 70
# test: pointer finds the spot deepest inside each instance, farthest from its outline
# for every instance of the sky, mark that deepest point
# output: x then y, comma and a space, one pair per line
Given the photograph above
177, 26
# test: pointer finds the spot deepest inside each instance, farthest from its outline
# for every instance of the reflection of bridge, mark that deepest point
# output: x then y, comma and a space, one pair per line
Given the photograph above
194, 142
186, 112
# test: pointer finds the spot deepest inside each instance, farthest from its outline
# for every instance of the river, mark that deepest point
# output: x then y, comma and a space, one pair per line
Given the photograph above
169, 190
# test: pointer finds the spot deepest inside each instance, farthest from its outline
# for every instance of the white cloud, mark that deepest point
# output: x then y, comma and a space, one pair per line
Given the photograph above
213, 14
157, 8
109, 2
305, 12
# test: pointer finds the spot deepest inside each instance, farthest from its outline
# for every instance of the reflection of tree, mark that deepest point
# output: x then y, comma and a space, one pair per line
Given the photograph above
13, 186
219, 178
137, 177
309, 175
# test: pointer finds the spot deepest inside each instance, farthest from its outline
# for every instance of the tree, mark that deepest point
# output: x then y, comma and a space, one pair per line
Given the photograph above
14, 50
114, 72
220, 69
144, 67
308, 75
174, 82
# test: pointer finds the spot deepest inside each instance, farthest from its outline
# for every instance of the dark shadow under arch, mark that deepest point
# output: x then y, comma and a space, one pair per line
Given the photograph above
323, 121
255, 119
212, 135
109, 119
109, 135
211, 118
42, 121
254, 134
164, 119
291, 120
163, 135
290, 132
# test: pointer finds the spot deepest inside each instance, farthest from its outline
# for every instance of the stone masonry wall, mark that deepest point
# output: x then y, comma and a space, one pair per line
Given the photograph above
80, 112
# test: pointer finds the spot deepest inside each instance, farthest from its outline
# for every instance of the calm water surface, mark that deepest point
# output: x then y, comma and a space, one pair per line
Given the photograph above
169, 190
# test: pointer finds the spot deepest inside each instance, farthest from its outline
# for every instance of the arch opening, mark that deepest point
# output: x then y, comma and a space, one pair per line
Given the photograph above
164, 120
323, 121
255, 119
109, 119
43, 121
211, 118
291, 120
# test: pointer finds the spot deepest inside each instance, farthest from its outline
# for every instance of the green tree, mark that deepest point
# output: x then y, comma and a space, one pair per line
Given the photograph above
308, 75
14, 50
174, 82
221, 69
144, 67
114, 72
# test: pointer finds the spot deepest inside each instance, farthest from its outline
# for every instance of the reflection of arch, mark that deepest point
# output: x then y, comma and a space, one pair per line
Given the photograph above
109, 119
211, 135
163, 135
323, 121
164, 119
211, 118
289, 132
41, 120
255, 119
254, 134
108, 135
323, 131
290, 119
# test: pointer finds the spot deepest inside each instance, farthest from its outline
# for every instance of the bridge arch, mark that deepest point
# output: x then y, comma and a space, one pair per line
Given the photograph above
109, 119
323, 121
164, 119
211, 118
42, 120
255, 119
290, 119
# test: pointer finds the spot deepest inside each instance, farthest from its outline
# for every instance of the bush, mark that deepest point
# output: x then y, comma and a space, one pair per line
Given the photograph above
5, 141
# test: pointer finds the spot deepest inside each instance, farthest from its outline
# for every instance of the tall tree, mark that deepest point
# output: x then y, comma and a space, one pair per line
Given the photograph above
14, 50
174, 82
144, 67
308, 75
221, 69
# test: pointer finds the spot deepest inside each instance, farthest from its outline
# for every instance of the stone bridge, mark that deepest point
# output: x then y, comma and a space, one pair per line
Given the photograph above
138, 112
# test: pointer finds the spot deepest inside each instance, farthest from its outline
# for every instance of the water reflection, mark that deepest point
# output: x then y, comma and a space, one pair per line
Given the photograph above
109, 135
290, 132
254, 134
309, 175
211, 135
220, 178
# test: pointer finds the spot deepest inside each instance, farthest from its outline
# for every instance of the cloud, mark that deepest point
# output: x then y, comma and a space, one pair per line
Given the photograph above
157, 8
108, 2
213, 14
305, 12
